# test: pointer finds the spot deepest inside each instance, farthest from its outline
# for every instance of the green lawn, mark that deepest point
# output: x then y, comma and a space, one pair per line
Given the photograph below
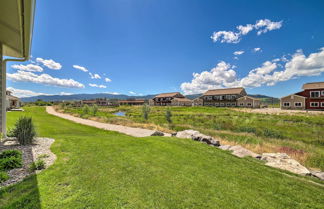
302, 135
102, 169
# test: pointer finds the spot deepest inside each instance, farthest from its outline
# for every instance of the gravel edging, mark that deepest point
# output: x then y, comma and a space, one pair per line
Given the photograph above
30, 153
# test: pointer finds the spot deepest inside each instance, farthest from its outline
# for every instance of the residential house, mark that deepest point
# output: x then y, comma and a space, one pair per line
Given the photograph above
198, 102
12, 102
166, 99
311, 98
223, 97
181, 102
247, 101
90, 102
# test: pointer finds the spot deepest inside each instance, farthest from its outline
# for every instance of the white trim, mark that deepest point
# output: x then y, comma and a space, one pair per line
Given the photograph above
314, 103
286, 103
301, 104
322, 104
322, 92
292, 95
319, 94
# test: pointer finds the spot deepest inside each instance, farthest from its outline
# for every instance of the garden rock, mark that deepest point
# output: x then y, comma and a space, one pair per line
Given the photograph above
157, 133
187, 134
242, 152
225, 147
197, 136
318, 174
283, 161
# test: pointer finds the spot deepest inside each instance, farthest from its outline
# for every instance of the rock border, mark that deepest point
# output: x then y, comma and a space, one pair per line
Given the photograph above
30, 153
276, 160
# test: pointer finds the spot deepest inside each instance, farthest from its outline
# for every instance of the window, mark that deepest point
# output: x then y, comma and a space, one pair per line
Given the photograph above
286, 104
228, 97
298, 104
222, 104
323, 93
241, 104
314, 104
249, 104
228, 104
233, 104
233, 97
322, 104
217, 104
315, 94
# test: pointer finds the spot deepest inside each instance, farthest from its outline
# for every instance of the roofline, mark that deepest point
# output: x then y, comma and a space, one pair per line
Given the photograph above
292, 95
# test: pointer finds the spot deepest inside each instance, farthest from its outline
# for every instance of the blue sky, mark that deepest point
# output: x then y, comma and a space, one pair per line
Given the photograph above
150, 46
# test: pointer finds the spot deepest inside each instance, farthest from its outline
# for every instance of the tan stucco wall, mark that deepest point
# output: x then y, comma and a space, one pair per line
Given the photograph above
292, 99
246, 100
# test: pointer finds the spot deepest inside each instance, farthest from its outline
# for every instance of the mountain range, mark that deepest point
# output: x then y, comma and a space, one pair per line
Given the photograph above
49, 98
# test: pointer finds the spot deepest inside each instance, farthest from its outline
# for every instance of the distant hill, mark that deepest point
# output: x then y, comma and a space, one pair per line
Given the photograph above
266, 99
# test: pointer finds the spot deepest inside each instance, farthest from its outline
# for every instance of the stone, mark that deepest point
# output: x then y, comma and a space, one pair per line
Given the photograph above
157, 133
241, 152
187, 134
284, 162
197, 136
225, 147
215, 143
174, 134
317, 174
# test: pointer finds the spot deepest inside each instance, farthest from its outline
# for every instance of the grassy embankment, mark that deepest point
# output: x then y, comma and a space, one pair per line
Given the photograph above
103, 169
300, 136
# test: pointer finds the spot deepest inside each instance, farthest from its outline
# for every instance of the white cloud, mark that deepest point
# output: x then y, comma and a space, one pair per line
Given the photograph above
238, 52
270, 73
46, 79
98, 86
261, 26
29, 67
51, 64
114, 93
257, 49
21, 93
65, 93
107, 79
78, 67
131, 92
94, 76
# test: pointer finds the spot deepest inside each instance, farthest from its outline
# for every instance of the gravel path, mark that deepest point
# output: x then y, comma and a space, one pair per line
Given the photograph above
137, 132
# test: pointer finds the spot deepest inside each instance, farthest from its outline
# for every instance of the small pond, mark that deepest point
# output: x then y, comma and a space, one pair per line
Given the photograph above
120, 113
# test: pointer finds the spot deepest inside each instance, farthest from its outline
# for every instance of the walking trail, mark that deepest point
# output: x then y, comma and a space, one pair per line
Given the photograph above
137, 132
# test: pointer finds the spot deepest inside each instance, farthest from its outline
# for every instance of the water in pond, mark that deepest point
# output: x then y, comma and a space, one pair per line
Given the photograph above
120, 113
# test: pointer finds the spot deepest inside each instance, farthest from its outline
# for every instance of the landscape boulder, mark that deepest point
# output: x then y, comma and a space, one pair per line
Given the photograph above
241, 152
197, 136
157, 133
283, 161
225, 147
318, 174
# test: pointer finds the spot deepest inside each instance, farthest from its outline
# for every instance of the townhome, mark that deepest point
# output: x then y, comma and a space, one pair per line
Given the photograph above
168, 99
311, 98
249, 102
223, 97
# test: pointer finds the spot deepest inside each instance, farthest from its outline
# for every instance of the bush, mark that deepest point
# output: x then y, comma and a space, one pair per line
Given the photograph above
85, 110
37, 165
272, 134
168, 116
24, 130
10, 163
3, 176
94, 110
247, 129
146, 111
10, 153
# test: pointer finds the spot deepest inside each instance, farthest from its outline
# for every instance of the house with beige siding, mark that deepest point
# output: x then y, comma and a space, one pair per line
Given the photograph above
198, 102
293, 101
249, 102
223, 97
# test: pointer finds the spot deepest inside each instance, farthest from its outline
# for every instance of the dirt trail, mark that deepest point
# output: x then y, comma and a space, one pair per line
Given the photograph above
137, 132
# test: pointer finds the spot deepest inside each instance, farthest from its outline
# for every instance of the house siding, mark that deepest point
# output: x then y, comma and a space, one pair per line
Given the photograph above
307, 93
245, 101
292, 100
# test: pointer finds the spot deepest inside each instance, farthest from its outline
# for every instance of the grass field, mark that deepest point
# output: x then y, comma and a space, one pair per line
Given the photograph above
301, 136
102, 169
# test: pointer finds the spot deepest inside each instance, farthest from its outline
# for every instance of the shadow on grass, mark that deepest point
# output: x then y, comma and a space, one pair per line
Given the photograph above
11, 196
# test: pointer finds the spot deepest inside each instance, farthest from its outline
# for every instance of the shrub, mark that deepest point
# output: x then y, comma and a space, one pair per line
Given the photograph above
85, 110
24, 130
168, 116
247, 129
10, 153
146, 111
94, 110
3, 176
37, 165
272, 134
10, 163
